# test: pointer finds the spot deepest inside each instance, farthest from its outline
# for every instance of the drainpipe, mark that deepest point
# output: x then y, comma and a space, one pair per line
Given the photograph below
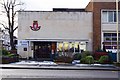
117, 30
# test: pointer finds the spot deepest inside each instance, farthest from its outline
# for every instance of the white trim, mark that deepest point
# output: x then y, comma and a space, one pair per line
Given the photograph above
59, 40
108, 10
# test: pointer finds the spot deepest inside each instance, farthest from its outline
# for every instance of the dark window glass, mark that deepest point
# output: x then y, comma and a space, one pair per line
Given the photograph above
114, 43
114, 16
119, 16
119, 39
119, 34
108, 47
108, 39
107, 34
114, 34
114, 39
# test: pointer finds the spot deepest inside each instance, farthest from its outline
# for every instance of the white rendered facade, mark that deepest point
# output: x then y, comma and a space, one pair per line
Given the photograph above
59, 27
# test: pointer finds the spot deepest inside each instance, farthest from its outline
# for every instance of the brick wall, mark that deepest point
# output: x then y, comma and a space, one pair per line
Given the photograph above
96, 7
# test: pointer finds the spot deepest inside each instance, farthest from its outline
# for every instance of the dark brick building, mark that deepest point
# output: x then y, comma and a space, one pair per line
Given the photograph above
98, 32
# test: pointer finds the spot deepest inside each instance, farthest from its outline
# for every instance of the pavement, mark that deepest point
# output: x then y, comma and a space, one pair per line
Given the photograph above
59, 79
48, 65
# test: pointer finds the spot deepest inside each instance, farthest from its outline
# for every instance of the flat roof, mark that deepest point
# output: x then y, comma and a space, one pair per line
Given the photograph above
60, 10
69, 9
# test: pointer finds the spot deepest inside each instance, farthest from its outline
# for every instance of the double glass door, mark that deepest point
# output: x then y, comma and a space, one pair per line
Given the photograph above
43, 49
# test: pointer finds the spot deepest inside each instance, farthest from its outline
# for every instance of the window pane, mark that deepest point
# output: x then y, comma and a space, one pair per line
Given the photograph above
110, 16
114, 16
60, 47
114, 39
71, 46
119, 16
77, 46
107, 34
104, 16
114, 43
108, 47
114, 34
108, 39
66, 46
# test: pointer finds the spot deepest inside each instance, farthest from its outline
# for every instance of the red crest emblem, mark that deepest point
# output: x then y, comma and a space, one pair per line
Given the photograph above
35, 26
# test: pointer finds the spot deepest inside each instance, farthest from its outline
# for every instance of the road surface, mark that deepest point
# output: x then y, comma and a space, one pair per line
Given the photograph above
42, 74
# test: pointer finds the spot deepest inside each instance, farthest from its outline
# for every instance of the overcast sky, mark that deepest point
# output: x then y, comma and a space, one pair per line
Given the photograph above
49, 4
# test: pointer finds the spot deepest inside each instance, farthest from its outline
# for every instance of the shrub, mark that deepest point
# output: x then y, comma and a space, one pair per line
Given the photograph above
5, 52
12, 55
103, 59
8, 57
77, 56
89, 60
86, 57
82, 61
85, 53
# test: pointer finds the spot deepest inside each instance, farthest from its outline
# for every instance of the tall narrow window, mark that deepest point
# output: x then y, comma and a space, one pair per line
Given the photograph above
110, 16
119, 16
114, 16
104, 16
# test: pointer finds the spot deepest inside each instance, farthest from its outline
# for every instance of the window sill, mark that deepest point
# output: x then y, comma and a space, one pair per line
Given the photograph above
109, 23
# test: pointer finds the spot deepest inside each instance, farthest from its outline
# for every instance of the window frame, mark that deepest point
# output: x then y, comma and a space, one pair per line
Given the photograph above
107, 12
113, 39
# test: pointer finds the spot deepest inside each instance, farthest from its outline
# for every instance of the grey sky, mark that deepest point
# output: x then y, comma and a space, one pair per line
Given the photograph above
49, 4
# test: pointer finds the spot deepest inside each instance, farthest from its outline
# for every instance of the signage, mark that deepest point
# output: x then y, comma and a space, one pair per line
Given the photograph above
35, 26
23, 43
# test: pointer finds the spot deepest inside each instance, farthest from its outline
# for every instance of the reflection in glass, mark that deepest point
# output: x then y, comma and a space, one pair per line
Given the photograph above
60, 47
71, 46
66, 46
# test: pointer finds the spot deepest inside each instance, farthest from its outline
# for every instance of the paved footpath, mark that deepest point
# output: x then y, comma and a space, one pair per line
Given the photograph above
60, 67
59, 79
57, 66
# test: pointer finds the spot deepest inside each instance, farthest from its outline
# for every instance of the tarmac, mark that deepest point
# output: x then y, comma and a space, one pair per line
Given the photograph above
47, 65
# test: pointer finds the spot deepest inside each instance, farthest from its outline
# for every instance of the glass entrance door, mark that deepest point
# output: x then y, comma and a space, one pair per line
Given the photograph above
42, 49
